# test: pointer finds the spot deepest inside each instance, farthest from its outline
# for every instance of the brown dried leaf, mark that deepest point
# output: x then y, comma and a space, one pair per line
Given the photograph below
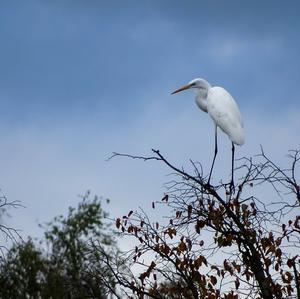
237, 283
166, 198
118, 222
190, 209
213, 280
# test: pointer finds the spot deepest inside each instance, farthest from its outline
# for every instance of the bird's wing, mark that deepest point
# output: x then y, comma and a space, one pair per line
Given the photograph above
224, 111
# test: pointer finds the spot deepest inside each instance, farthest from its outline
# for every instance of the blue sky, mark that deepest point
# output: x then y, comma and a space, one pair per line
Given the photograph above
81, 79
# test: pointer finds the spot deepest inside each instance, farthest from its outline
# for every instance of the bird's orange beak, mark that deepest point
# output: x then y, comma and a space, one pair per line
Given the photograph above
182, 88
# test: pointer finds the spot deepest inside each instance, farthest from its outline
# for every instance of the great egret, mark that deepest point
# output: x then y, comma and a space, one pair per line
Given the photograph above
222, 108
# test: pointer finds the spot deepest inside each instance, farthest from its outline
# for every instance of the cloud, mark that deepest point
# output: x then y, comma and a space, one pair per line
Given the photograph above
228, 49
79, 81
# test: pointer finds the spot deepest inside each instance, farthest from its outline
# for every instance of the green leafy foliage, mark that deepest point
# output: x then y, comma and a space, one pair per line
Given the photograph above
61, 265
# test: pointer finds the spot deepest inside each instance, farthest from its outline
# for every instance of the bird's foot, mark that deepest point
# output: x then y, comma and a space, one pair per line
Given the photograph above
208, 185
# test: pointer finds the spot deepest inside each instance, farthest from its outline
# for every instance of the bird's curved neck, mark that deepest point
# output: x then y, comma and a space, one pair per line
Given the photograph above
201, 97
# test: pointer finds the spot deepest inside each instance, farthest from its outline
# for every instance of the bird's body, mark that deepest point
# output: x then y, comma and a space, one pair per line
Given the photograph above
224, 111
222, 108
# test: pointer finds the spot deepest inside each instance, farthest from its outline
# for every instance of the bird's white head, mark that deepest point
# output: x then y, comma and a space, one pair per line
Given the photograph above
197, 85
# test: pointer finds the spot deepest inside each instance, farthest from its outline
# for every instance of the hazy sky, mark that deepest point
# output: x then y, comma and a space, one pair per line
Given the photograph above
81, 79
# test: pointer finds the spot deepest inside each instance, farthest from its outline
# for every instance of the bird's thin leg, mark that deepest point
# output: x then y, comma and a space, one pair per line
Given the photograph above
216, 151
232, 169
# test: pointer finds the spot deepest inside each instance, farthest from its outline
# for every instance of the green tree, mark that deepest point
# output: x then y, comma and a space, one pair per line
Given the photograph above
22, 272
60, 265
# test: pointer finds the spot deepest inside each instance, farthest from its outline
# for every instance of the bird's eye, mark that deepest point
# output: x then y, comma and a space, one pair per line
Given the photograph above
193, 84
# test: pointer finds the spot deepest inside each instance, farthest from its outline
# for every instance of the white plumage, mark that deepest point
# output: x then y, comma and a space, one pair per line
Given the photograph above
223, 110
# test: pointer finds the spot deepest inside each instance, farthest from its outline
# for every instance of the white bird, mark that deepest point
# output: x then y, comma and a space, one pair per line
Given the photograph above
222, 108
